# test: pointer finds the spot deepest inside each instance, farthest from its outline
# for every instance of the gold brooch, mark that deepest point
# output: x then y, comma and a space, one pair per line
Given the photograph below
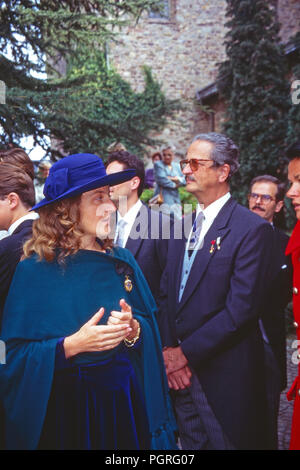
128, 284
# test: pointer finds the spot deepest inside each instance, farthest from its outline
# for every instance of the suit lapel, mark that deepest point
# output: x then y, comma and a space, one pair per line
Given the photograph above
133, 244
280, 243
24, 225
220, 229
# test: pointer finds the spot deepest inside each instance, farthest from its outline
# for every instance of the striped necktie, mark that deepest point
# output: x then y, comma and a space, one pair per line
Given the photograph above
195, 235
121, 233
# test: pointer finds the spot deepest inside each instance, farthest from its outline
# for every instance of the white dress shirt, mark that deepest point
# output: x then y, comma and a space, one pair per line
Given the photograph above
3, 234
210, 213
127, 221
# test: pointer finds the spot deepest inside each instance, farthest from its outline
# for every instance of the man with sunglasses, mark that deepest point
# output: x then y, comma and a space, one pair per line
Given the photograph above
211, 292
266, 199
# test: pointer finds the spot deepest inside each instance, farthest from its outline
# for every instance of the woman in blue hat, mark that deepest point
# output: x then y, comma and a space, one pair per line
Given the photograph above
83, 356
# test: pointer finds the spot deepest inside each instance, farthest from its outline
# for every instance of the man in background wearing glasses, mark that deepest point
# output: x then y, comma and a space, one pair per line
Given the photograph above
266, 199
211, 292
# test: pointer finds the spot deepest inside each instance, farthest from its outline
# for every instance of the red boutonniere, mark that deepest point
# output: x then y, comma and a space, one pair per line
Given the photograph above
212, 246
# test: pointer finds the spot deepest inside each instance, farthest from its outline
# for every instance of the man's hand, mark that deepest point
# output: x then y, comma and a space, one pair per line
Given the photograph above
180, 379
174, 359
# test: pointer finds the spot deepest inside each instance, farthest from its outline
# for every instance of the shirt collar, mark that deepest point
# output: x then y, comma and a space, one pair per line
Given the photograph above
211, 211
30, 216
130, 216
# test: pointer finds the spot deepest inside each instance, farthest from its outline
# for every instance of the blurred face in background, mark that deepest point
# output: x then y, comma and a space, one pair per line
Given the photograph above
156, 157
167, 156
262, 200
45, 172
44, 169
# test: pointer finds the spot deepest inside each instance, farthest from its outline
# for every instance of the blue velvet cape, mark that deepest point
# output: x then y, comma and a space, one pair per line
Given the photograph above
47, 302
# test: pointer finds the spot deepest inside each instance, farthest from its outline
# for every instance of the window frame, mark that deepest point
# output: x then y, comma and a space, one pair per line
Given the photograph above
164, 19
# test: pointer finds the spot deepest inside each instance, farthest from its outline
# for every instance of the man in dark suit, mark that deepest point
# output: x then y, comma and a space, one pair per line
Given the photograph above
266, 198
16, 198
210, 297
143, 231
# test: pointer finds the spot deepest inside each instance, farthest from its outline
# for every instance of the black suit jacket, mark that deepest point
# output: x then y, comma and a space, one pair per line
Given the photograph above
216, 321
148, 242
11, 248
276, 299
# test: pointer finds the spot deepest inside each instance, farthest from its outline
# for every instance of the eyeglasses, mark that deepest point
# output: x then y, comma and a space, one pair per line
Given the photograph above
264, 197
194, 163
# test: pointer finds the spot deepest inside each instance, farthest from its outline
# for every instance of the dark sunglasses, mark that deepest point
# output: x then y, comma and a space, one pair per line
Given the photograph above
194, 163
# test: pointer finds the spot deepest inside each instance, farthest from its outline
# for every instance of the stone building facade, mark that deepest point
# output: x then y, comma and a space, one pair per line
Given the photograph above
183, 46
288, 13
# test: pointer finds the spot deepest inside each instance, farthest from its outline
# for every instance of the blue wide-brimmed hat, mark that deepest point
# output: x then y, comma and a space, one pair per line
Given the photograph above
76, 174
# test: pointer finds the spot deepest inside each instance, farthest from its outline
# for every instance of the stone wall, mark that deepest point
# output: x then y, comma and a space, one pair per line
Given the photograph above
183, 52
288, 12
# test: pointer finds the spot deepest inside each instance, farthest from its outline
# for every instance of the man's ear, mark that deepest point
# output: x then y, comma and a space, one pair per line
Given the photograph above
224, 171
279, 206
13, 200
135, 182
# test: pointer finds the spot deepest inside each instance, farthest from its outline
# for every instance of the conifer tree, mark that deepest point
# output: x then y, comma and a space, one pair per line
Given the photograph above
254, 84
34, 37
103, 108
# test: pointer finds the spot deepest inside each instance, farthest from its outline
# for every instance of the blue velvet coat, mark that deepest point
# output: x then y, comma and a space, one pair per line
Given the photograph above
47, 302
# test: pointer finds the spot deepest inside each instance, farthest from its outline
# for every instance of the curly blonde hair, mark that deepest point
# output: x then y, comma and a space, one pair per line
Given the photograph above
57, 234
